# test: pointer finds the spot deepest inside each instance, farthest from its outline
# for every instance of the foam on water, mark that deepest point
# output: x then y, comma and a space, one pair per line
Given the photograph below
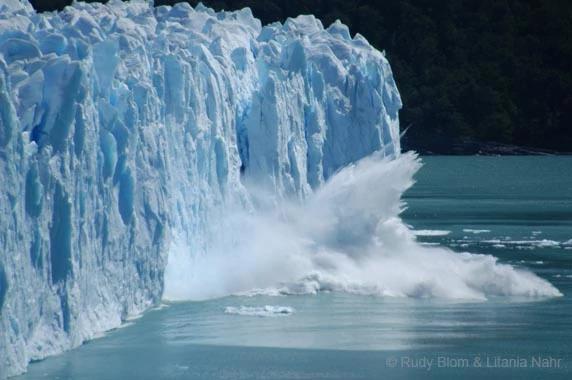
348, 237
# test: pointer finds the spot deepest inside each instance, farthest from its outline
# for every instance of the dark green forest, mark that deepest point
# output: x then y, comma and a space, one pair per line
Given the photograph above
469, 71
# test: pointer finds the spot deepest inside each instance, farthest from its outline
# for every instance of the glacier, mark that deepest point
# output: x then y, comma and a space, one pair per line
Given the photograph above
123, 122
139, 145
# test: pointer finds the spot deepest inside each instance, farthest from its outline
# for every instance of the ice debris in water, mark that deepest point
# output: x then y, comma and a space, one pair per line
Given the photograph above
259, 311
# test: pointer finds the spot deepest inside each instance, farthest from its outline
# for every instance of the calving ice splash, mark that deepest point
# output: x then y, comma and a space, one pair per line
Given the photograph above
176, 152
346, 236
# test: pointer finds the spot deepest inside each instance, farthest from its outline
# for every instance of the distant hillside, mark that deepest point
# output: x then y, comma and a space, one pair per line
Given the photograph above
469, 71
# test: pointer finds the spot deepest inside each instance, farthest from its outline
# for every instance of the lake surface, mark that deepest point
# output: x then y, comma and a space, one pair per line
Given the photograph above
518, 209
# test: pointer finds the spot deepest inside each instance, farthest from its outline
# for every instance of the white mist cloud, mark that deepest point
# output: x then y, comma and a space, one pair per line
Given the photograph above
347, 236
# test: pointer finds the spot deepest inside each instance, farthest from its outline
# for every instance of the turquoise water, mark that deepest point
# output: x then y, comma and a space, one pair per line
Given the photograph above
516, 208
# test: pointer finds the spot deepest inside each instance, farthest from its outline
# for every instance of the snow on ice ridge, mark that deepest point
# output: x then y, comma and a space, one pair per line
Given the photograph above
122, 123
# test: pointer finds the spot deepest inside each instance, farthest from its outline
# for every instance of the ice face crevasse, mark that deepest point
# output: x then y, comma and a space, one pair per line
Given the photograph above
122, 123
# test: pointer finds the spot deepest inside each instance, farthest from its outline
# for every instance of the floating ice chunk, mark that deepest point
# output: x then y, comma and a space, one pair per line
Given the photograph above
260, 311
431, 232
544, 243
474, 231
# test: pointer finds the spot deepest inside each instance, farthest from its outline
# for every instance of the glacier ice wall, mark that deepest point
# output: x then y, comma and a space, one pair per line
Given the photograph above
122, 123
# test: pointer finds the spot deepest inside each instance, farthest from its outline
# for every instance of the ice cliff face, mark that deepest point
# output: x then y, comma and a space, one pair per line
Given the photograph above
122, 123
